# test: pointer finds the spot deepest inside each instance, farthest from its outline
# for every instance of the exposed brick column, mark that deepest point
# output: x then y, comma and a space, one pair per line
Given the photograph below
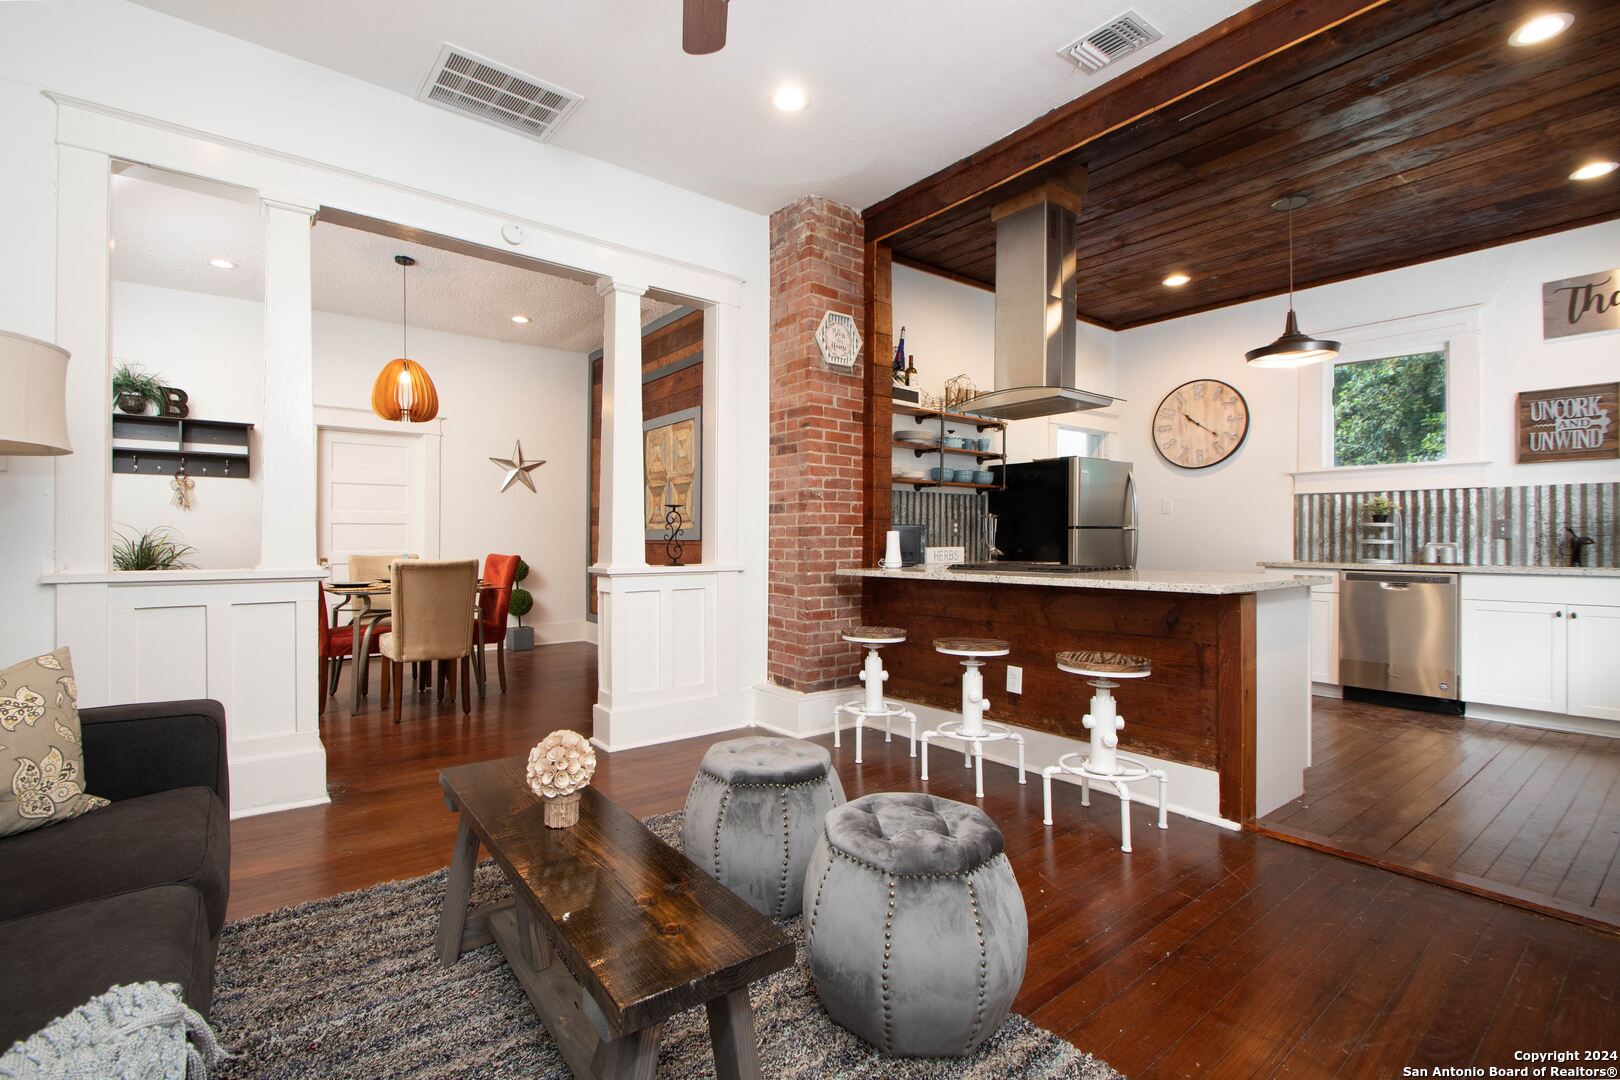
817, 459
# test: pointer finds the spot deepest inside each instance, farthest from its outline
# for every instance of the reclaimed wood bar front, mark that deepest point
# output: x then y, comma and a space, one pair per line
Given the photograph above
1228, 693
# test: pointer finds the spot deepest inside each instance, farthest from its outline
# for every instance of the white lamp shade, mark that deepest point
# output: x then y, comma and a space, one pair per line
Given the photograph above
33, 397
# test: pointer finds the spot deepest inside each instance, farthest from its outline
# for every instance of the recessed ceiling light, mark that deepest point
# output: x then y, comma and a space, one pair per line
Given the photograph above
1594, 169
520, 319
790, 98
1539, 28
222, 264
1176, 280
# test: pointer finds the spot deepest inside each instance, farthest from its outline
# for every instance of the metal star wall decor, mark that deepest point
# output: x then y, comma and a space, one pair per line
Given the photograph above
516, 468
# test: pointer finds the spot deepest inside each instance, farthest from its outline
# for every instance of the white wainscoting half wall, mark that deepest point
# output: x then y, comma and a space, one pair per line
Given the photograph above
666, 655
245, 638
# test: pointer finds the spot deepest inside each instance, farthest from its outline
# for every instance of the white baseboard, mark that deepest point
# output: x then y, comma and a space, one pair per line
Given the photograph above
795, 714
558, 633
627, 728
1328, 690
1546, 721
263, 783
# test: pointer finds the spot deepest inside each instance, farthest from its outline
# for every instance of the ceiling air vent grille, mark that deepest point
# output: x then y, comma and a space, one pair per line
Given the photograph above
476, 86
1118, 37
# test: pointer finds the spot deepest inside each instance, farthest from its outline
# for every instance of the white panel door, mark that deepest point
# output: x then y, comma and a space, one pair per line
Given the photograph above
1514, 654
1324, 637
1594, 662
370, 496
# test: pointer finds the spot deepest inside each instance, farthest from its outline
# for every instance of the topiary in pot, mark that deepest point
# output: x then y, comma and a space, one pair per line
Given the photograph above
520, 638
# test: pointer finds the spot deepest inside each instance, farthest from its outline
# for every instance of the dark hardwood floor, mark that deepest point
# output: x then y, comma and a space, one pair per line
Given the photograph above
1204, 952
1499, 809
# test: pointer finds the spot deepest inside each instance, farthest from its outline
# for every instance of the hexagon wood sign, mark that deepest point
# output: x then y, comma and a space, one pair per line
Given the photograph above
839, 340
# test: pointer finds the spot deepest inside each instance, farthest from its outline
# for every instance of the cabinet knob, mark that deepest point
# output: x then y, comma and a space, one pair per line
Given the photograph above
1573, 615
1558, 614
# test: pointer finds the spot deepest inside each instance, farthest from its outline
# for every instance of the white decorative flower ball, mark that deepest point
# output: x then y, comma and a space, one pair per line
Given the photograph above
561, 764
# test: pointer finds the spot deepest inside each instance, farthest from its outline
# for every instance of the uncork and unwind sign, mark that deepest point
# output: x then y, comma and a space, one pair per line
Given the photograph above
1573, 423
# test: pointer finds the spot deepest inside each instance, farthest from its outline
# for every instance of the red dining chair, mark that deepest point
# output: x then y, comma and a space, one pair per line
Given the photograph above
493, 603
337, 644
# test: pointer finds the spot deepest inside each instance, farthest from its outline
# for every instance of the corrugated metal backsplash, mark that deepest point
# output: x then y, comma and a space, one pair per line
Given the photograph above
950, 519
1325, 526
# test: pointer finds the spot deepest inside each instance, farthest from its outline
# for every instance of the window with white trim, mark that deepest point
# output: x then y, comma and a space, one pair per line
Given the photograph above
1079, 442
1389, 410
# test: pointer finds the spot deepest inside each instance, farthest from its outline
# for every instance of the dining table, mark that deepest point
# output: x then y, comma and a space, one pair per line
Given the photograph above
365, 615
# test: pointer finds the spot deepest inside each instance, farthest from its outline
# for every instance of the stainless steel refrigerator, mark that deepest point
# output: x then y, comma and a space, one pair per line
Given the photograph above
1077, 511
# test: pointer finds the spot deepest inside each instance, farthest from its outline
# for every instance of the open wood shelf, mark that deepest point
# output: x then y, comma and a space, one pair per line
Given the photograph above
922, 448
982, 423
899, 482
165, 445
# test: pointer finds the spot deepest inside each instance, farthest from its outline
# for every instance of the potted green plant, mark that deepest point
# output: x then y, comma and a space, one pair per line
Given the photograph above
520, 638
157, 548
134, 389
1378, 508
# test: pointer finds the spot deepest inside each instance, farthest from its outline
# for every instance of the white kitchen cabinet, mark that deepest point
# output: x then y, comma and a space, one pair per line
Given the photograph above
1594, 661
1515, 653
1324, 637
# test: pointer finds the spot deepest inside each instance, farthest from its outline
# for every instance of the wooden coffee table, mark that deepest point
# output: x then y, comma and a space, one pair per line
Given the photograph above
641, 932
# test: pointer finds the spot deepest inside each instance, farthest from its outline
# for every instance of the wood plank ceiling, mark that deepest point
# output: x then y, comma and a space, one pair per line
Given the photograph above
1415, 129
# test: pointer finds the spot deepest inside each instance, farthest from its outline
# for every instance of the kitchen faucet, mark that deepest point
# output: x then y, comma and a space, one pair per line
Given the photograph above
1577, 546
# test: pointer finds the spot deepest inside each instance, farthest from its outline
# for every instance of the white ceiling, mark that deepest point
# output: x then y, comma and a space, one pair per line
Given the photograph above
166, 228
898, 88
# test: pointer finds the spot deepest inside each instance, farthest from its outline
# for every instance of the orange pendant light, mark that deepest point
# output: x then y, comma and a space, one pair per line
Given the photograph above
403, 390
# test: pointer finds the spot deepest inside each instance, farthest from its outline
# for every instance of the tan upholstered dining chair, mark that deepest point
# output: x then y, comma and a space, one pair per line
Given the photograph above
433, 620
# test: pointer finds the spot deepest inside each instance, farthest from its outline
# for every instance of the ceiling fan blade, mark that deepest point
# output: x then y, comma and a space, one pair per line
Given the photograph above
703, 26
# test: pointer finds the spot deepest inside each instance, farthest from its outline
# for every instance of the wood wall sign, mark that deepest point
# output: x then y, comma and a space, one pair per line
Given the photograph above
1581, 305
1572, 423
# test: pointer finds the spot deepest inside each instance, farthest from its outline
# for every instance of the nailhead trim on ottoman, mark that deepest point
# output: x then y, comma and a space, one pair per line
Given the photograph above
936, 885
753, 815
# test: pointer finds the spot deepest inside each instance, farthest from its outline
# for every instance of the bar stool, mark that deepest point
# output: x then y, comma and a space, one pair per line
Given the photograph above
873, 706
973, 730
1104, 723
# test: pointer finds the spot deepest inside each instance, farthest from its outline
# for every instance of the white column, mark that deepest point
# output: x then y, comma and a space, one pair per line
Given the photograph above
83, 295
624, 474
286, 450
721, 364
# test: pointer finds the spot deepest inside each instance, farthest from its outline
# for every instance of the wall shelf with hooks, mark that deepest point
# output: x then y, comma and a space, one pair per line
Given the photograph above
165, 445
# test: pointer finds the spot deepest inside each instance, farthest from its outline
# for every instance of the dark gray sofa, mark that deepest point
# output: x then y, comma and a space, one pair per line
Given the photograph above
133, 891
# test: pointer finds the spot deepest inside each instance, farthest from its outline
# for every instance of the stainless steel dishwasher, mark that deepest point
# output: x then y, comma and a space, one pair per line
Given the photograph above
1398, 632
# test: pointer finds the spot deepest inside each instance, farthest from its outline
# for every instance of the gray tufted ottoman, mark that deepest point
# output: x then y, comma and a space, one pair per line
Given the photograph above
753, 816
916, 928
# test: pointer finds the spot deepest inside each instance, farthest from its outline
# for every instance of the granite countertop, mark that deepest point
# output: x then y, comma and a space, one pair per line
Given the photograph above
1454, 568
1208, 583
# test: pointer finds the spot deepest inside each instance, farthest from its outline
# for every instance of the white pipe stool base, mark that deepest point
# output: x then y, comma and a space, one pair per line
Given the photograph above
859, 714
1130, 770
973, 745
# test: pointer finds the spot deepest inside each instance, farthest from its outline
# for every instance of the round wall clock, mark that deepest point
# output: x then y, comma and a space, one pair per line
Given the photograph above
1200, 423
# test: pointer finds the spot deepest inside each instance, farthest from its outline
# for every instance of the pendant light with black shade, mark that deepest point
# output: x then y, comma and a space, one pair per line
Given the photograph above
403, 390
1293, 349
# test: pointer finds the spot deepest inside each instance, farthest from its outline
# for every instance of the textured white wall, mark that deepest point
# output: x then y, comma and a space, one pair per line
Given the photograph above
490, 394
123, 55
212, 347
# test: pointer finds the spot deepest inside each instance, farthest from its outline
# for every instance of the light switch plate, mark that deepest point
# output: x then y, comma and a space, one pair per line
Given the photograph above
1167, 506
1015, 679
1501, 532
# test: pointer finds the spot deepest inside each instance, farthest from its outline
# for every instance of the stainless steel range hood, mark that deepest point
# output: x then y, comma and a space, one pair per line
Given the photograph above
1035, 310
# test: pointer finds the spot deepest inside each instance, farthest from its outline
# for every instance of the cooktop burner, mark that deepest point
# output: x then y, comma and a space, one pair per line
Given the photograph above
1007, 567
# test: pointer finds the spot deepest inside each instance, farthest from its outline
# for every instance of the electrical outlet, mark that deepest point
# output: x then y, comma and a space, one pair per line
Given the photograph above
1167, 506
1015, 679
1501, 531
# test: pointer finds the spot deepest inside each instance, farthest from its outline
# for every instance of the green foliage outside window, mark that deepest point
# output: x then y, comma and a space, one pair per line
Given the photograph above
1390, 411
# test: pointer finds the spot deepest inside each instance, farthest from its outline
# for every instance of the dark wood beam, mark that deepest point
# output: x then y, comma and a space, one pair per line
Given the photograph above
1246, 38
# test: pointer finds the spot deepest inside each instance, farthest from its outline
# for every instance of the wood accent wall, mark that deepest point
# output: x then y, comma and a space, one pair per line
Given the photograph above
1198, 706
879, 396
667, 394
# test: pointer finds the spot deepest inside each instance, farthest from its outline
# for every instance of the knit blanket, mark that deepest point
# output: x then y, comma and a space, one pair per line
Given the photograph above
142, 1031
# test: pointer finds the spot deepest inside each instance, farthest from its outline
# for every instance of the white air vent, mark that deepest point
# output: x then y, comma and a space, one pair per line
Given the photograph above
1117, 37
475, 86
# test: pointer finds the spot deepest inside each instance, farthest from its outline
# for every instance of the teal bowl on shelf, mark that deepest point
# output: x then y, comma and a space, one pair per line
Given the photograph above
940, 475
984, 444
984, 476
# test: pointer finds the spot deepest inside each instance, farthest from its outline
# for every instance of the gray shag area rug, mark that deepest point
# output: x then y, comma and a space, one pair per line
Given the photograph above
351, 987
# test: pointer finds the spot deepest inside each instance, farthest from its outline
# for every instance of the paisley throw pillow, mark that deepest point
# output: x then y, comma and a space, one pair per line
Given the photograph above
41, 761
